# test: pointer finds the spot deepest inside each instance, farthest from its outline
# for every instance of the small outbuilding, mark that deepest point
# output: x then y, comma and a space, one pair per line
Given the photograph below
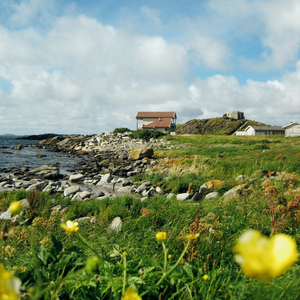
234, 114
292, 129
159, 121
261, 130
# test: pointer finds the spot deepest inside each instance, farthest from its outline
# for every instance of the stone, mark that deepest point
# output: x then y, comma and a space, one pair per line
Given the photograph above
39, 155
85, 194
17, 147
140, 153
240, 178
71, 190
182, 197
45, 172
126, 190
96, 195
75, 177
105, 179
212, 195
235, 192
197, 196
39, 186
116, 224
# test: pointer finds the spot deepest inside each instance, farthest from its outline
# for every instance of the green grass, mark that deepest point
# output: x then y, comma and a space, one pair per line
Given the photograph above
56, 270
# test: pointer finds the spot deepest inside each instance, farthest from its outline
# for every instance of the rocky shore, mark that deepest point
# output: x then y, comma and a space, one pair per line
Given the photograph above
108, 163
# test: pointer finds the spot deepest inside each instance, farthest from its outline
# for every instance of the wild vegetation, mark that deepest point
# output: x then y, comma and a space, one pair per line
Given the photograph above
215, 126
192, 257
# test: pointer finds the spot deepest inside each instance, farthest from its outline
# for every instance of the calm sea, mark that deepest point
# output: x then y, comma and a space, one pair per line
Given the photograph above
27, 156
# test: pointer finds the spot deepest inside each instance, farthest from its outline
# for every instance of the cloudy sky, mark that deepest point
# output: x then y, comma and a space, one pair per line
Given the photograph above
86, 66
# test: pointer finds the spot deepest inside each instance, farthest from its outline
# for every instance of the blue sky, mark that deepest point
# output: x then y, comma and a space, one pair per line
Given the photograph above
89, 66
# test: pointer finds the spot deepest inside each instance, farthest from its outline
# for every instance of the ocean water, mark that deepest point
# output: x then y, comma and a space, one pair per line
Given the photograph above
27, 156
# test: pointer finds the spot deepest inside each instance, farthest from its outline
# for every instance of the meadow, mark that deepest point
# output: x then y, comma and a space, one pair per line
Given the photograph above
194, 257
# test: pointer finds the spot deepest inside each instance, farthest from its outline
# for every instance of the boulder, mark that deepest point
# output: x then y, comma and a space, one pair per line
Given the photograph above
71, 190
209, 186
76, 177
140, 153
39, 186
235, 192
17, 147
45, 172
105, 179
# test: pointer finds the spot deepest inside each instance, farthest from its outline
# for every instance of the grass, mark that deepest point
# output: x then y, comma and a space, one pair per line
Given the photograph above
51, 263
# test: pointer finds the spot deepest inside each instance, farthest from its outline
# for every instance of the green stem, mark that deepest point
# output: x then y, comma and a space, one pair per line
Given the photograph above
88, 245
125, 271
176, 264
165, 260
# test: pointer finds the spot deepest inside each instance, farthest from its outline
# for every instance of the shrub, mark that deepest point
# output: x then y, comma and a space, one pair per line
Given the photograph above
146, 134
121, 130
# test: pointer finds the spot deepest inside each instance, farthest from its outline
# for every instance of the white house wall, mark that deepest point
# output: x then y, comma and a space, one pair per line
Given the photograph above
293, 131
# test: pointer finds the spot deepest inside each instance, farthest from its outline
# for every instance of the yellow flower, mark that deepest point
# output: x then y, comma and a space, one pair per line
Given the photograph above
70, 226
161, 236
205, 277
15, 207
191, 236
9, 285
170, 256
130, 294
263, 257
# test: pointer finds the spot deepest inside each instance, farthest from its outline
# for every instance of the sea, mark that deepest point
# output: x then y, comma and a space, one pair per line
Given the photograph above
26, 157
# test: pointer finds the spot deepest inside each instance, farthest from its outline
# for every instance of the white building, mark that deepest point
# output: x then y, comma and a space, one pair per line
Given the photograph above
292, 129
261, 130
159, 121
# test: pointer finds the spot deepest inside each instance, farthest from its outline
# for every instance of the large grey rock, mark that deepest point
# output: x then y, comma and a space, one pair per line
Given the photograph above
126, 190
17, 147
39, 186
76, 177
45, 172
105, 179
71, 190
97, 194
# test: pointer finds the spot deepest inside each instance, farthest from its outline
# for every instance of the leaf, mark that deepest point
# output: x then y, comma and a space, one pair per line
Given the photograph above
188, 270
57, 245
42, 255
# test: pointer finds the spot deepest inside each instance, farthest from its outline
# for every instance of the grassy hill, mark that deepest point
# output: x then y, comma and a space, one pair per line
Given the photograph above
222, 126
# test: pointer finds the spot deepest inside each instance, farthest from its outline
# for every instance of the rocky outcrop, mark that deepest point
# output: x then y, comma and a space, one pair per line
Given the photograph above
226, 125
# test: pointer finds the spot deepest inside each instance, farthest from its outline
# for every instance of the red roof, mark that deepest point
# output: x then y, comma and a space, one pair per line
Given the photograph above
157, 114
162, 123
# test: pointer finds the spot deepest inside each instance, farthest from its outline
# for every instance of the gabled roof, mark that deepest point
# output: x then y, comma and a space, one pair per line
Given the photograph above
264, 128
290, 125
162, 123
156, 114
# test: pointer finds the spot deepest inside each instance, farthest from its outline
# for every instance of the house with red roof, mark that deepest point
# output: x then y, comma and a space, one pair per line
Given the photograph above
159, 121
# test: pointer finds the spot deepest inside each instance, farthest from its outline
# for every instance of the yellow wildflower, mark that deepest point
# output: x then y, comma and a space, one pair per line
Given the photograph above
9, 285
263, 257
191, 236
130, 294
170, 256
161, 236
205, 277
70, 226
15, 207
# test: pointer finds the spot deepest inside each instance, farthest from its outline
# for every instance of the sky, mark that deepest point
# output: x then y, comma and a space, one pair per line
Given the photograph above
88, 66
